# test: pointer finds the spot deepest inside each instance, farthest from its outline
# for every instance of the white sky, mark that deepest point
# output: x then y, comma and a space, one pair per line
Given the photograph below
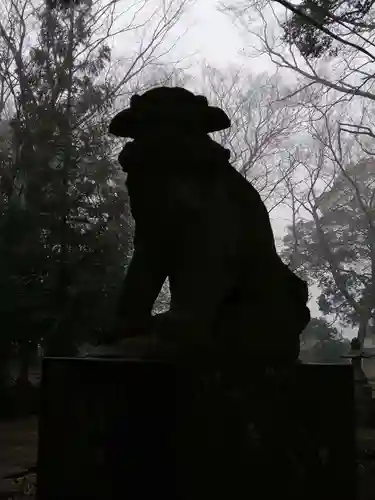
211, 34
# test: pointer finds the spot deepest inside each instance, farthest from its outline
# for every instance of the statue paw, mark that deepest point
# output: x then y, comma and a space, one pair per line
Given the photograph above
142, 347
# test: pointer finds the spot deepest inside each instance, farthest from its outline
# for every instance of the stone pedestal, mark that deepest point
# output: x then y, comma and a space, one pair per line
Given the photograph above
112, 429
362, 388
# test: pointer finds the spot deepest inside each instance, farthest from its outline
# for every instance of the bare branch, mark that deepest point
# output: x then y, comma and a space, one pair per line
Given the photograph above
323, 29
346, 74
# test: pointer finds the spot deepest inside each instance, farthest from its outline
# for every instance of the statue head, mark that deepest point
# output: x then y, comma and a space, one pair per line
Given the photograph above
168, 107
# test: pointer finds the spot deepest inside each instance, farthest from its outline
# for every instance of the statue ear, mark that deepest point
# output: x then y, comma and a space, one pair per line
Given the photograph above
201, 99
135, 101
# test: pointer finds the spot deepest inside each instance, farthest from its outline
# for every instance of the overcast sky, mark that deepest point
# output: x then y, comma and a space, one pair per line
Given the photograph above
211, 34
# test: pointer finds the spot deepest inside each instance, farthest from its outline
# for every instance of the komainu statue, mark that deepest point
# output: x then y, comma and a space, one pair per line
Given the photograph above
200, 223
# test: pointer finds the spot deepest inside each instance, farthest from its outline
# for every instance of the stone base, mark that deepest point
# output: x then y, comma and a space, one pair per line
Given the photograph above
117, 428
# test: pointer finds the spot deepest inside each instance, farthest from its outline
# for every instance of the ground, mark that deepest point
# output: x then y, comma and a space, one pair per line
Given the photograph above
18, 450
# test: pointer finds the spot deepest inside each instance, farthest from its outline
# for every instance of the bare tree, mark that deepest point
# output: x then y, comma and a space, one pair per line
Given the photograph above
27, 24
142, 29
263, 127
346, 68
331, 239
